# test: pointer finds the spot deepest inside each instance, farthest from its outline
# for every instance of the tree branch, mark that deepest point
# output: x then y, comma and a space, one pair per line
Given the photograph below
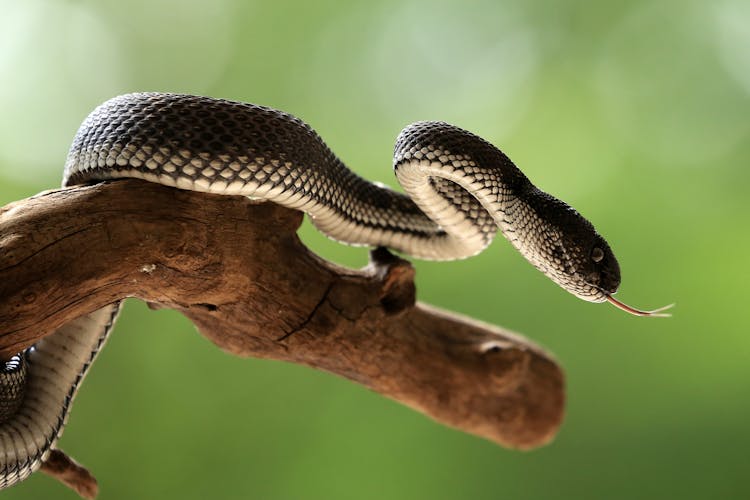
71, 474
237, 269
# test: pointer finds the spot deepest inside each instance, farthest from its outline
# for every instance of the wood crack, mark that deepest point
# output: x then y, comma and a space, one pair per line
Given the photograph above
309, 318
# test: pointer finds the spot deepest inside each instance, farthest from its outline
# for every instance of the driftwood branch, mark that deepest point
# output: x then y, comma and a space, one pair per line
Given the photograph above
237, 269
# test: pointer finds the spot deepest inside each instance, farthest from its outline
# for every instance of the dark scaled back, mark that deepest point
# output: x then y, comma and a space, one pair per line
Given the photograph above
215, 127
228, 132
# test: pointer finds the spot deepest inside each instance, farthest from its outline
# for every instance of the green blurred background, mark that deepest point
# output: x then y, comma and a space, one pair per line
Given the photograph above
635, 112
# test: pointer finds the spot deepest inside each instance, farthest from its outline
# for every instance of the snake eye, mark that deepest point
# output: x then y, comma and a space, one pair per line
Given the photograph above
597, 254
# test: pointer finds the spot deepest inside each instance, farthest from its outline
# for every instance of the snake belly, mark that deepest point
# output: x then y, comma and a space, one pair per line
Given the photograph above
460, 191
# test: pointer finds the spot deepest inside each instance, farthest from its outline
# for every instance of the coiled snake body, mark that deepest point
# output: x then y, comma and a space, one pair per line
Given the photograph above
461, 189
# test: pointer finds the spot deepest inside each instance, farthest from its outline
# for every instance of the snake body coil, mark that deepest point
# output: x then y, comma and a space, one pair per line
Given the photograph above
460, 190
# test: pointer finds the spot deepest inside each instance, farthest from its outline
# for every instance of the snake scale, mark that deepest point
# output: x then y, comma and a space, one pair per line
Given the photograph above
460, 191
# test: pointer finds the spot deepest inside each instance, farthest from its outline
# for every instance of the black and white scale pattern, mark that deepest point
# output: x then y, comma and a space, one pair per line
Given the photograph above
230, 147
460, 191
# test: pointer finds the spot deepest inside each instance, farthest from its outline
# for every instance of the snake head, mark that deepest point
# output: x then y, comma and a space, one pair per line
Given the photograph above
564, 245
567, 248
596, 269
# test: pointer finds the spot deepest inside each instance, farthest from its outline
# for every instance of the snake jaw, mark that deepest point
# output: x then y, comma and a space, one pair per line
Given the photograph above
656, 313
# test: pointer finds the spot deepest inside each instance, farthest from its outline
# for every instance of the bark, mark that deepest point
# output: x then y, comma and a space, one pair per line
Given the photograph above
237, 269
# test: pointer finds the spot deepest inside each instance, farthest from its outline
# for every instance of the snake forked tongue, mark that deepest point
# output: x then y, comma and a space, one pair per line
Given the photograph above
656, 313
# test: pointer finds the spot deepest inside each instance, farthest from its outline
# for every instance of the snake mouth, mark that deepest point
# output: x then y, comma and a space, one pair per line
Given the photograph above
655, 313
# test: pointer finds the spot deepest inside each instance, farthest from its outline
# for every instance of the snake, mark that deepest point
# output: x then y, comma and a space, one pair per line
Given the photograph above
459, 191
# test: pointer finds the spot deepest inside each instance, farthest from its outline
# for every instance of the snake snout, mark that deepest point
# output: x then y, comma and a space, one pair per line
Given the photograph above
609, 281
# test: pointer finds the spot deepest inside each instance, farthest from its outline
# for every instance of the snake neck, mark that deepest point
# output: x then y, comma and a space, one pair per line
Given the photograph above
471, 189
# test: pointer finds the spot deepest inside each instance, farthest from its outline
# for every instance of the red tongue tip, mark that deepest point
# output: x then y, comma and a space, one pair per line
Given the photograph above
656, 313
